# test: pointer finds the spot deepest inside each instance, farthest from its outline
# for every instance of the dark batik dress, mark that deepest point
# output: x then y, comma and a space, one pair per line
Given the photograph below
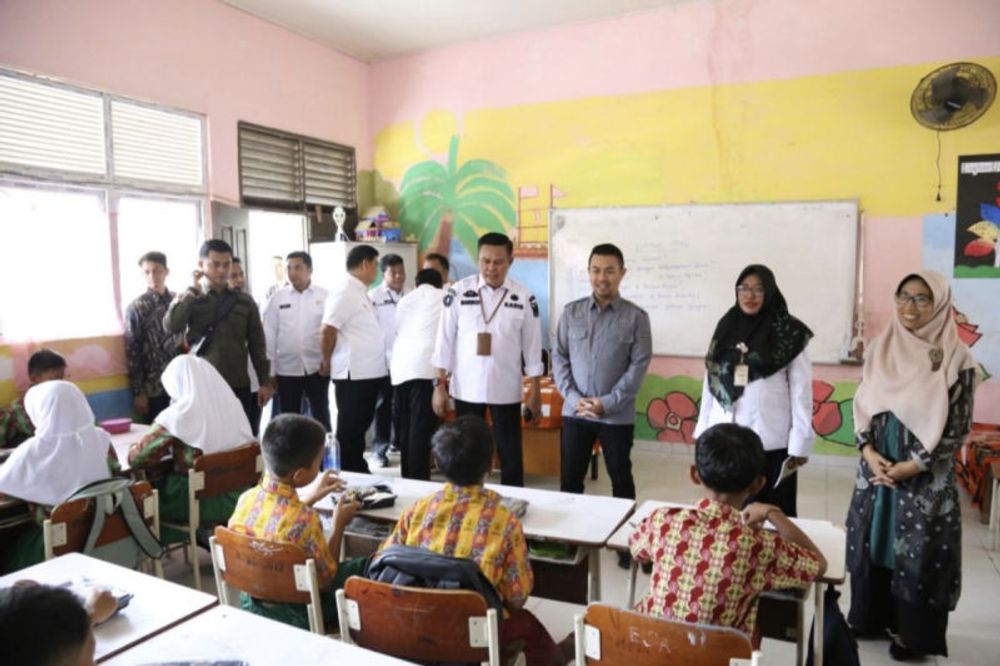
904, 544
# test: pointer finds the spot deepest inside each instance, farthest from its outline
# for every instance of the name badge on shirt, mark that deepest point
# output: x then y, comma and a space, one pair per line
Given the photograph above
741, 377
484, 344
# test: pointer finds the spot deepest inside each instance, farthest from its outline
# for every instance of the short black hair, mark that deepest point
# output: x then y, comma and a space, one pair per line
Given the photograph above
429, 276
44, 360
155, 257
237, 260
440, 258
388, 261
495, 238
359, 255
607, 250
214, 245
41, 625
729, 457
291, 442
463, 450
304, 256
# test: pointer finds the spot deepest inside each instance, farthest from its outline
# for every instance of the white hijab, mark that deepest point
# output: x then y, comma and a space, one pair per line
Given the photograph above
66, 453
204, 412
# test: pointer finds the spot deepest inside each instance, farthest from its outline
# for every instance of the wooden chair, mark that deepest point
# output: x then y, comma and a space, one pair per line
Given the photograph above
68, 526
417, 623
608, 635
266, 570
211, 476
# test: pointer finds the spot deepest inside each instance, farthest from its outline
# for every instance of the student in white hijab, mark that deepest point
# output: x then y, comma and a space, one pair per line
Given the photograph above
204, 417
66, 453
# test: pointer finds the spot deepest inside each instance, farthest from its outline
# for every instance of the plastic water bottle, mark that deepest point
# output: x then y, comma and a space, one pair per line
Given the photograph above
331, 453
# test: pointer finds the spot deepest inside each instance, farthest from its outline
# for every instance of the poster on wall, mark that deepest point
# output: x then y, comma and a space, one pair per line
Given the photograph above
977, 228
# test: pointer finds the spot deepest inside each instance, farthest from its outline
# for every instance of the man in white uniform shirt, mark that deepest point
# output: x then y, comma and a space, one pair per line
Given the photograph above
385, 297
353, 350
418, 316
489, 325
292, 320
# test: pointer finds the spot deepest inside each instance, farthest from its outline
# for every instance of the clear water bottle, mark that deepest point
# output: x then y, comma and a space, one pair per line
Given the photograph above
331, 453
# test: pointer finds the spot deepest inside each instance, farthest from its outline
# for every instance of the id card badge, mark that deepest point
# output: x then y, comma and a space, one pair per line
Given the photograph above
484, 344
741, 377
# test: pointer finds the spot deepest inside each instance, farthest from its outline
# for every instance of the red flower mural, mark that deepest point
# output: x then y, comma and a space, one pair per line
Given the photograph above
967, 331
826, 413
674, 417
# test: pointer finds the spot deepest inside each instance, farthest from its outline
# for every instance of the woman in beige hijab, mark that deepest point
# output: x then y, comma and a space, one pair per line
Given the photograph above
912, 410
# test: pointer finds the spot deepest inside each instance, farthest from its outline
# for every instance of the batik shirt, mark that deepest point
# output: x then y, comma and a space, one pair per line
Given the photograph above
470, 522
157, 444
273, 511
148, 345
15, 426
709, 566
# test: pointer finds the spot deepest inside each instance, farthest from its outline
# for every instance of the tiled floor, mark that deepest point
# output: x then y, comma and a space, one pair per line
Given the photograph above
661, 472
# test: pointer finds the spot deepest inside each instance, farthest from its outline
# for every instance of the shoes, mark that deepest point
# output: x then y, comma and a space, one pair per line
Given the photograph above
394, 449
624, 561
900, 652
647, 568
380, 460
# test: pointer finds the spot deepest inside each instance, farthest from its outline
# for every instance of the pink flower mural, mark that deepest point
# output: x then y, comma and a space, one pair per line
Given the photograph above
674, 417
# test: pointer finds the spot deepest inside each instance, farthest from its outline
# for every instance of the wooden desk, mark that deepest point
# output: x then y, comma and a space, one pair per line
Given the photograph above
829, 538
156, 606
585, 521
225, 633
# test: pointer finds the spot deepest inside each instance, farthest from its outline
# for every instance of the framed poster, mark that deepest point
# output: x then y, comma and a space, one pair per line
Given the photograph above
977, 225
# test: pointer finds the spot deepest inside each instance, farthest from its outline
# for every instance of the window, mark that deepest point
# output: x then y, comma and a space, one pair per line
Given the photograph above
285, 171
170, 227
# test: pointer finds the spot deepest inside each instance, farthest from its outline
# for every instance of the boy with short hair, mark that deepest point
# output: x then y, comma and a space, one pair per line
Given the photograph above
15, 426
711, 562
42, 625
293, 450
464, 519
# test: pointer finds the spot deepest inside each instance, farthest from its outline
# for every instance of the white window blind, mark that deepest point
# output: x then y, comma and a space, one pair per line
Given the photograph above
282, 170
51, 127
154, 145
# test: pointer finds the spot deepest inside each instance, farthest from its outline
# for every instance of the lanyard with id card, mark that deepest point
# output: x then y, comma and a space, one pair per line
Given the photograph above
741, 375
484, 339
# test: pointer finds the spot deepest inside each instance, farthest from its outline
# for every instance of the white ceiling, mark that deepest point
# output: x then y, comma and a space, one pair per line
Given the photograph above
373, 30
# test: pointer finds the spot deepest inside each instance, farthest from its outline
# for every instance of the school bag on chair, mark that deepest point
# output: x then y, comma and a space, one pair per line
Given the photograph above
839, 645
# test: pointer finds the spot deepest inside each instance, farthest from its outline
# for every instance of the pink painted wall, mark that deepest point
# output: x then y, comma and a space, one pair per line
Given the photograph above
197, 55
688, 45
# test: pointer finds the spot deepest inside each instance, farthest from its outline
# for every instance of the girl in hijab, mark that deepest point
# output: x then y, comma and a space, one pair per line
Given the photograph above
204, 417
912, 410
759, 376
66, 453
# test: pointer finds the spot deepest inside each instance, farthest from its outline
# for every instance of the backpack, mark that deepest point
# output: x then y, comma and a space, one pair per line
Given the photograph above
111, 496
839, 645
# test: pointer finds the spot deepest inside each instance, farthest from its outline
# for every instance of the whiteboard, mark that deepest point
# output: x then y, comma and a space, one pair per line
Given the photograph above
683, 262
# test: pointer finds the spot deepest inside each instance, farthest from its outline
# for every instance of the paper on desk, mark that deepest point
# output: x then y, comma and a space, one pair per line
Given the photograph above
788, 468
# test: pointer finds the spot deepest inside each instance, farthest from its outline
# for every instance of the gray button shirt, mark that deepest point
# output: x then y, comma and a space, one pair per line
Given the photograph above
602, 353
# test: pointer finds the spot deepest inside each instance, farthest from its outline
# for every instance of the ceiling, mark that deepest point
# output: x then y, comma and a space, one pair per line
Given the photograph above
373, 30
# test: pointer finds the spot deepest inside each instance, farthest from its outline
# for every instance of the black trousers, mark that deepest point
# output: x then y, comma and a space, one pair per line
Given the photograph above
356, 400
417, 423
784, 495
506, 433
577, 445
314, 387
250, 407
386, 420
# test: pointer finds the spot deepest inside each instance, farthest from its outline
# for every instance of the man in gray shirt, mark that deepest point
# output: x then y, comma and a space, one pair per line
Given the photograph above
603, 347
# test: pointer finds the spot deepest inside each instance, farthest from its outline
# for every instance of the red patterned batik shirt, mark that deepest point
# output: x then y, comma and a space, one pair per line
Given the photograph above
709, 566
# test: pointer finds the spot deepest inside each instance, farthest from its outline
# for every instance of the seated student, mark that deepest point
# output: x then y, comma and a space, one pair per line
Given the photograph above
464, 519
15, 426
293, 450
42, 625
66, 453
712, 561
204, 417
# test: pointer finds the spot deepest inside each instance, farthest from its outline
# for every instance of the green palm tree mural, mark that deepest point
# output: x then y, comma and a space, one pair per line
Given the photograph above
470, 200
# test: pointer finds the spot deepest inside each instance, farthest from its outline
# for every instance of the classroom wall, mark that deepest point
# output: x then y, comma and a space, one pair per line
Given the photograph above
704, 102
196, 55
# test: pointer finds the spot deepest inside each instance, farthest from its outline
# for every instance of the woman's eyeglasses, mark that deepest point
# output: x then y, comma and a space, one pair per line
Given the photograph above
743, 290
922, 301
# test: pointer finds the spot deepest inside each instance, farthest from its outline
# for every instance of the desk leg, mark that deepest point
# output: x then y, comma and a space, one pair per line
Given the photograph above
818, 625
633, 570
594, 574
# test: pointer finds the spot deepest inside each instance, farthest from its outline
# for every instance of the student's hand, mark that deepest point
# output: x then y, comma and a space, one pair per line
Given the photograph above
347, 508
329, 482
440, 401
101, 605
141, 404
264, 394
755, 513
